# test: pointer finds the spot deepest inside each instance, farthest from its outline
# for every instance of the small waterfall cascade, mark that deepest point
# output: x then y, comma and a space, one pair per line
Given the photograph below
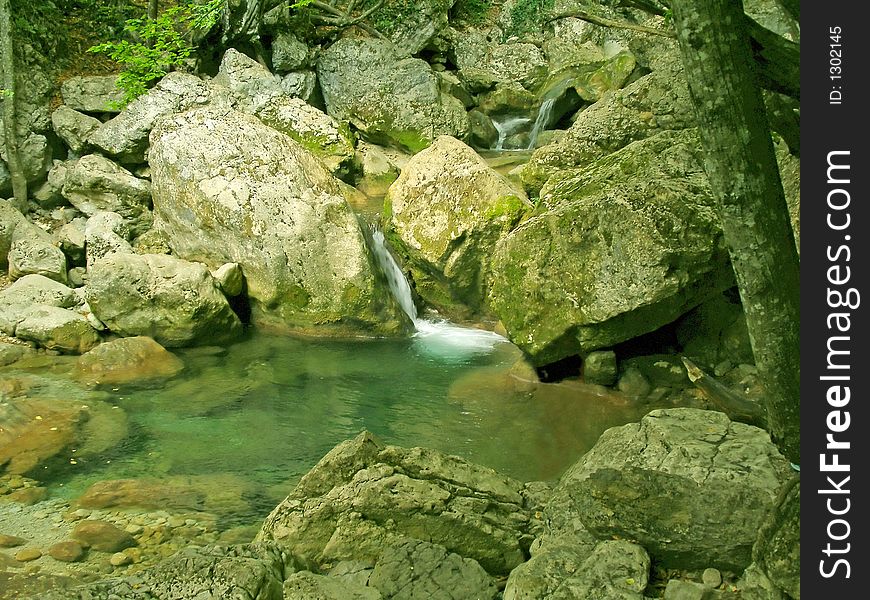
435, 336
545, 113
507, 127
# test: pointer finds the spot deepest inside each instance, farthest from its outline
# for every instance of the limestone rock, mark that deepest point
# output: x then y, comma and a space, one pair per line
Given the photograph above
38, 289
106, 233
379, 171
73, 127
627, 245
50, 193
288, 53
33, 251
556, 563
94, 94
71, 239
391, 100
125, 137
94, 183
305, 585
600, 368
416, 569
69, 551
229, 189
689, 485
249, 81
448, 209
520, 62
56, 329
128, 360
102, 536
10, 217
363, 497
231, 279
34, 154
174, 301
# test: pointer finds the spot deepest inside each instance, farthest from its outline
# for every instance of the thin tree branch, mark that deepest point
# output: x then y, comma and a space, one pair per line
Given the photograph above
596, 20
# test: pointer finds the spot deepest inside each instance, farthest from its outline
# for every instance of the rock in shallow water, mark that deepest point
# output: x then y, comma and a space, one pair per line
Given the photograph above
128, 360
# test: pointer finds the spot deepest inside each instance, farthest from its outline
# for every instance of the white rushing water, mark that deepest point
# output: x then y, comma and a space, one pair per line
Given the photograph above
542, 121
508, 127
436, 336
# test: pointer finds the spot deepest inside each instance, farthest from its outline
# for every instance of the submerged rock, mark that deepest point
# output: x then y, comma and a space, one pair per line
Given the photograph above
363, 497
391, 100
128, 360
174, 301
448, 209
625, 246
227, 188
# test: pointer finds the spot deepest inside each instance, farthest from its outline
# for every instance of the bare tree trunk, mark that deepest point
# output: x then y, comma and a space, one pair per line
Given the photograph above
10, 125
152, 9
741, 166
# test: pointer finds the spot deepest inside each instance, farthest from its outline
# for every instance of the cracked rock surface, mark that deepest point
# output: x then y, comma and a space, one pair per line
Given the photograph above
691, 486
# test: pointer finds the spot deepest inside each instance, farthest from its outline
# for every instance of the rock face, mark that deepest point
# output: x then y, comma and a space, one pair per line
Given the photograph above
174, 301
125, 137
128, 360
363, 497
391, 100
448, 209
229, 189
626, 246
94, 183
689, 485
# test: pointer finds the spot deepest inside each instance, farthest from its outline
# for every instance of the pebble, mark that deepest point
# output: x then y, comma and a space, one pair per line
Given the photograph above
712, 578
119, 559
133, 529
11, 541
28, 554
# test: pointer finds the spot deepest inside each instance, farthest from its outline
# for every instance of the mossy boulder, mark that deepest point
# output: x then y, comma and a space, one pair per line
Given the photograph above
446, 212
623, 247
229, 189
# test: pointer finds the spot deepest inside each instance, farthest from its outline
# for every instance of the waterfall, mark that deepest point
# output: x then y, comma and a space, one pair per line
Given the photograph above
543, 120
435, 336
507, 127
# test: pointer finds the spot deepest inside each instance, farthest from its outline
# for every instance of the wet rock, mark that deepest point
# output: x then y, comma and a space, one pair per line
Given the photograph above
600, 367
305, 585
11, 541
379, 171
363, 497
174, 301
27, 496
634, 384
28, 554
391, 100
32, 251
689, 485
73, 127
417, 569
125, 137
94, 183
618, 252
482, 132
227, 188
102, 536
69, 551
128, 360
95, 94
448, 210
10, 353
37, 431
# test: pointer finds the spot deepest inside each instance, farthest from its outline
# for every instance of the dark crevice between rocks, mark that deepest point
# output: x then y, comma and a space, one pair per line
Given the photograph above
559, 370
241, 305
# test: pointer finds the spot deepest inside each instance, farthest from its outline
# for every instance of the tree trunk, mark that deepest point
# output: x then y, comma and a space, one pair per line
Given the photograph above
152, 9
10, 125
741, 166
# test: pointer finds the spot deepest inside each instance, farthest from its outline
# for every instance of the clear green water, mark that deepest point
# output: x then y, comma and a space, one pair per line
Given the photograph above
259, 414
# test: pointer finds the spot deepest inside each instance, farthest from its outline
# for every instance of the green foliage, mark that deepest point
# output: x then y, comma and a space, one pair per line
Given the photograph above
528, 16
388, 17
471, 11
158, 45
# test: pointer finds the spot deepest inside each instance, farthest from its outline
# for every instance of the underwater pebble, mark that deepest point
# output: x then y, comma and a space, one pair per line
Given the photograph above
712, 578
119, 559
11, 541
28, 554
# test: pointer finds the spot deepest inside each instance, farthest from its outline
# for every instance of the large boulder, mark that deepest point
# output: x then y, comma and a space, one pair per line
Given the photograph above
363, 497
229, 189
690, 486
73, 127
250, 83
51, 327
34, 153
174, 301
657, 102
125, 137
106, 233
391, 100
289, 53
447, 210
627, 245
93, 94
94, 183
38, 289
33, 251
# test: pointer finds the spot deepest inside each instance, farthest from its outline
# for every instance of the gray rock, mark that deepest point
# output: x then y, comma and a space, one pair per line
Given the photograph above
33, 251
415, 569
230, 278
174, 301
450, 84
633, 383
288, 53
448, 209
73, 127
391, 100
229, 189
56, 329
34, 153
106, 233
94, 183
10, 217
754, 585
305, 585
711, 577
600, 367
301, 84
10, 353
677, 589
689, 485
71, 238
50, 193
38, 289
482, 133
125, 137
422, 24
519, 62
95, 94
379, 171
363, 497
249, 81
618, 252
